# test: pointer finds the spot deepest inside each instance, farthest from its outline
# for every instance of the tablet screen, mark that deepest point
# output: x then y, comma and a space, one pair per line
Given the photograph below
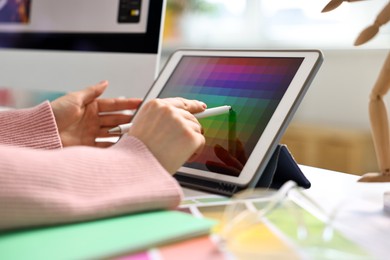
252, 86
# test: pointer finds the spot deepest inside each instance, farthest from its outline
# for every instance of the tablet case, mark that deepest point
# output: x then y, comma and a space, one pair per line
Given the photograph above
281, 167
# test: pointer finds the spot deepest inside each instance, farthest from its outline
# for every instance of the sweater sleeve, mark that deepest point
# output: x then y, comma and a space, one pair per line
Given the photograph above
33, 127
42, 187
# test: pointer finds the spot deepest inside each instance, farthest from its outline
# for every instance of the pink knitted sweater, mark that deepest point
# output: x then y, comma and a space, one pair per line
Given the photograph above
42, 183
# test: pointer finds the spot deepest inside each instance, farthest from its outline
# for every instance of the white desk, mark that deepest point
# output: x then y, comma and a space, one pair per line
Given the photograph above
361, 216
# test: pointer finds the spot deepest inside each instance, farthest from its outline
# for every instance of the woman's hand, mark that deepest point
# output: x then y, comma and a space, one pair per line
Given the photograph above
170, 130
79, 119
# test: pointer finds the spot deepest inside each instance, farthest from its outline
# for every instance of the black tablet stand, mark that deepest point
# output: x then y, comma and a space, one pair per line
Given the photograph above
282, 167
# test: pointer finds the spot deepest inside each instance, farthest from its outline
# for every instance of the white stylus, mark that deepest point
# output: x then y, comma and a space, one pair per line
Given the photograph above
215, 111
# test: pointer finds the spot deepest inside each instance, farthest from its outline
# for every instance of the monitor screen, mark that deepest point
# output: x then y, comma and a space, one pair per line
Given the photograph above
68, 45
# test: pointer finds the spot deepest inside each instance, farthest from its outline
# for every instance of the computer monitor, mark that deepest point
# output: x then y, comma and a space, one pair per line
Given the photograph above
67, 45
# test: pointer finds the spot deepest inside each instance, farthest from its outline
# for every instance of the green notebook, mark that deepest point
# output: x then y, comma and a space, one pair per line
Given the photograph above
103, 238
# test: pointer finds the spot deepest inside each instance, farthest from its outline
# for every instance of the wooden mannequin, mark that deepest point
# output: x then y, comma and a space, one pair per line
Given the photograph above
333, 4
377, 107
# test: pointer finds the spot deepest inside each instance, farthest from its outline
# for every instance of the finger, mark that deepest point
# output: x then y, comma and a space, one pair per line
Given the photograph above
240, 152
89, 94
226, 157
103, 144
117, 104
200, 145
192, 106
187, 115
222, 168
192, 121
114, 120
189, 118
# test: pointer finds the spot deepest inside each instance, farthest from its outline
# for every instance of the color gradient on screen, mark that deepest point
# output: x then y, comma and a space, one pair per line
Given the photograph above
253, 86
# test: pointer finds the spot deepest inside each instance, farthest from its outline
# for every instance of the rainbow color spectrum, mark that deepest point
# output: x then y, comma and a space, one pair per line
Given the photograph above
252, 86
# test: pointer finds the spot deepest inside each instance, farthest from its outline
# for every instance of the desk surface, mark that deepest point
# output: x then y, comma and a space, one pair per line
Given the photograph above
361, 225
360, 216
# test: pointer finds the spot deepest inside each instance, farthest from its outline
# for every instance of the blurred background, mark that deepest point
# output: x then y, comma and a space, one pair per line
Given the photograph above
331, 128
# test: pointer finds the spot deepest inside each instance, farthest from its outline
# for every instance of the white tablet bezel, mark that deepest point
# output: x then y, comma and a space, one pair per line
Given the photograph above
279, 120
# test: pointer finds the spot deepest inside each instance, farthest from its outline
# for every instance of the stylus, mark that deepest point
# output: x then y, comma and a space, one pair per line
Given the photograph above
215, 111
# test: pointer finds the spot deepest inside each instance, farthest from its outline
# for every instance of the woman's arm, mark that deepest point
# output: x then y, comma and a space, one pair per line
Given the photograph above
40, 187
33, 127
76, 183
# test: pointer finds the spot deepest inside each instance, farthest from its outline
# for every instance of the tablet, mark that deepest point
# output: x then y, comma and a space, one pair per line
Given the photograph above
263, 88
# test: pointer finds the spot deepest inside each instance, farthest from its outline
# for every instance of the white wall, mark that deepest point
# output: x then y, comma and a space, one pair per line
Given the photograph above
129, 75
340, 92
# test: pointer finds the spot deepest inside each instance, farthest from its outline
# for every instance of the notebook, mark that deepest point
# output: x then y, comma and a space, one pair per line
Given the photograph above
103, 238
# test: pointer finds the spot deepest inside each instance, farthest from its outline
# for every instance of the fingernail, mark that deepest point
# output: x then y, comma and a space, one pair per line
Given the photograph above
203, 104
